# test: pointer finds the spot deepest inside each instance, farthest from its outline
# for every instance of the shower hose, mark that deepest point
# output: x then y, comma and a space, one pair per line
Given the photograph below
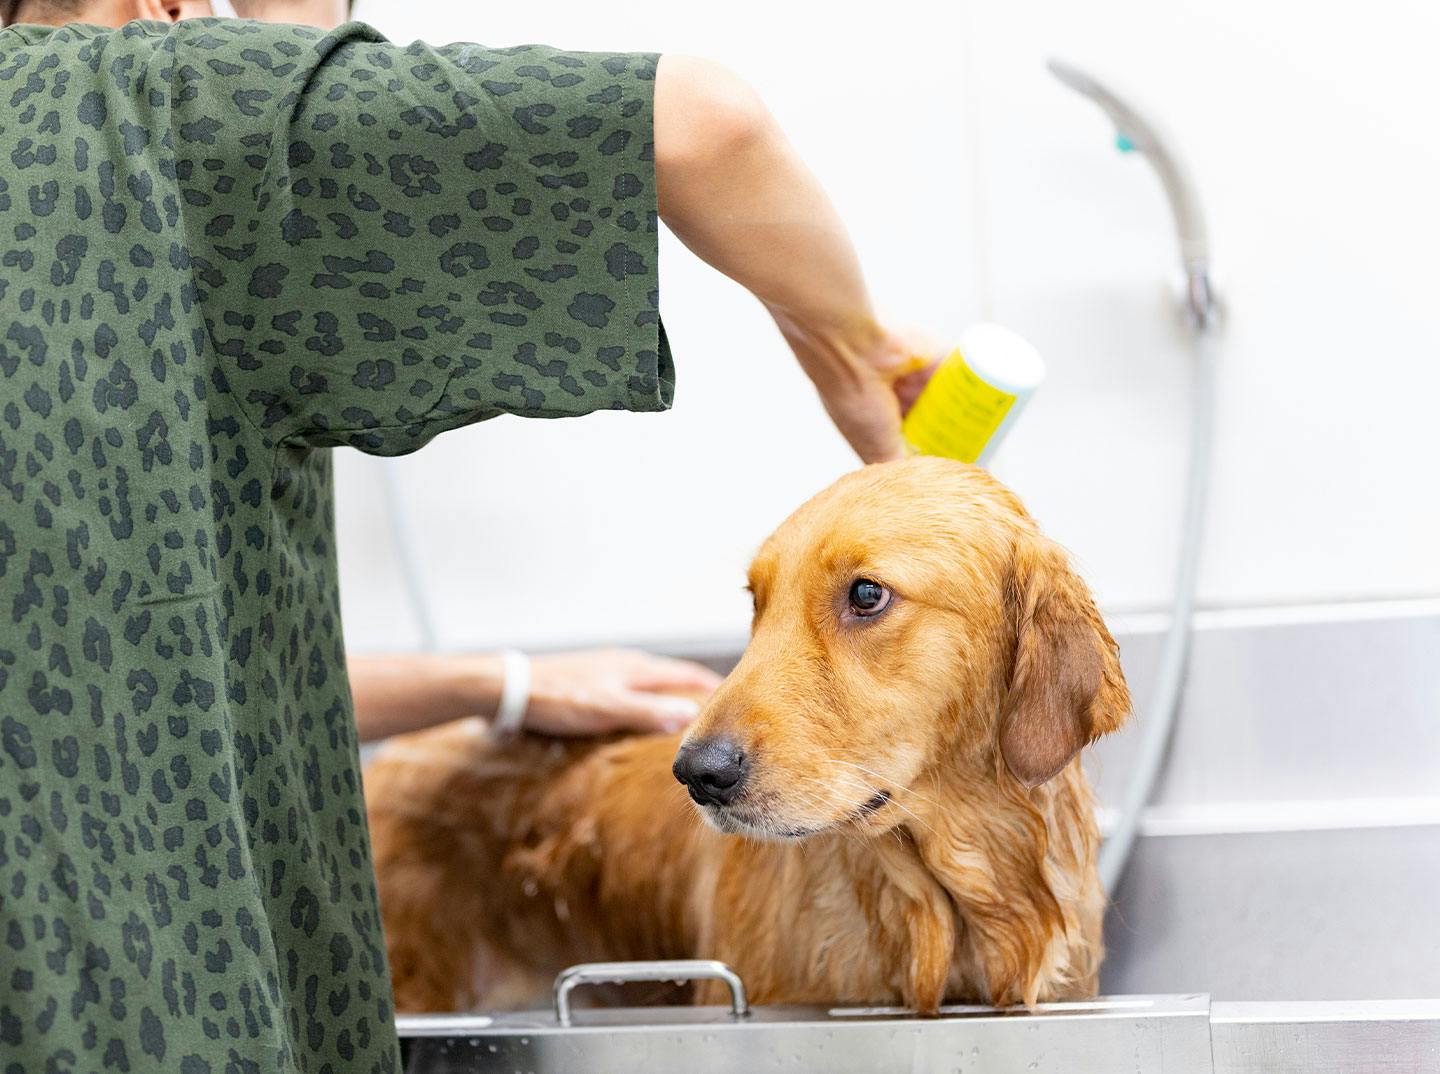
1165, 697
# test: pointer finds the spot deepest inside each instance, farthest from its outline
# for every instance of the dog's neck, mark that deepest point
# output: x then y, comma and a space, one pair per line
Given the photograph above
984, 872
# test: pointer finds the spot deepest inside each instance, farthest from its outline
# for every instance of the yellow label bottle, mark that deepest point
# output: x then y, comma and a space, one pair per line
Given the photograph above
975, 395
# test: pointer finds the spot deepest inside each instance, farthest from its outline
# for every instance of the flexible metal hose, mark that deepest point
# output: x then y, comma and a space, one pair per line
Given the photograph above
1165, 698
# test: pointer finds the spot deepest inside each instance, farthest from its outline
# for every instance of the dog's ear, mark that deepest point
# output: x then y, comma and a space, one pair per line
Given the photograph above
1066, 687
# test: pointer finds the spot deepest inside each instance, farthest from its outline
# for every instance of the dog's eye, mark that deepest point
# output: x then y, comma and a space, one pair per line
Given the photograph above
868, 597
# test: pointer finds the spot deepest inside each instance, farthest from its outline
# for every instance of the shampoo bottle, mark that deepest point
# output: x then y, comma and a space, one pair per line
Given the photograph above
974, 396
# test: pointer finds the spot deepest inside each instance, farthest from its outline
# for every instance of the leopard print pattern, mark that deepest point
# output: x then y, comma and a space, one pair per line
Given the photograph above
228, 247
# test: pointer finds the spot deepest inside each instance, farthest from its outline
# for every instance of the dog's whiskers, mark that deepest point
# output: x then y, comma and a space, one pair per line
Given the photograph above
871, 772
893, 799
824, 804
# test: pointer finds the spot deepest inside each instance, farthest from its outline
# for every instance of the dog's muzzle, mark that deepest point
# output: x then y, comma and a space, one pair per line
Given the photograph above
713, 770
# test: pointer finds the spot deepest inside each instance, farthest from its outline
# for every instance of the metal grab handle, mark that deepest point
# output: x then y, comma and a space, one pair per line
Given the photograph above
677, 970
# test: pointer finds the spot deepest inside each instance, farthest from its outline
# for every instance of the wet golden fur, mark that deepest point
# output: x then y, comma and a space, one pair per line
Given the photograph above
967, 701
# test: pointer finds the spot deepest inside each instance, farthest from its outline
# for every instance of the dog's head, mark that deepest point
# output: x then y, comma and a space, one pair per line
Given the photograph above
909, 617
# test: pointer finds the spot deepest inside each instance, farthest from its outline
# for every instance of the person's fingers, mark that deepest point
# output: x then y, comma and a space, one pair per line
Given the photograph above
876, 436
915, 353
909, 385
635, 711
665, 673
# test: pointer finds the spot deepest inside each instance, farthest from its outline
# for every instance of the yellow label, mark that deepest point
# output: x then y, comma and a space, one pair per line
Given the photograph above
957, 413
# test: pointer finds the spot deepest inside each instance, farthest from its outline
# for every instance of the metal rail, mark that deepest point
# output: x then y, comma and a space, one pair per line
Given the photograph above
1185, 1034
1353, 1037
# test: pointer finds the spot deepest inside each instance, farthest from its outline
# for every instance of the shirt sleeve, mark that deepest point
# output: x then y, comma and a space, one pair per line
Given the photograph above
391, 241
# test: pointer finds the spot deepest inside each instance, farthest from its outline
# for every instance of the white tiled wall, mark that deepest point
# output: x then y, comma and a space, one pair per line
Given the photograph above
974, 183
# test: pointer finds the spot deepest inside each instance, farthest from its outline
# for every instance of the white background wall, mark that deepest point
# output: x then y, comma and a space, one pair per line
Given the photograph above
976, 185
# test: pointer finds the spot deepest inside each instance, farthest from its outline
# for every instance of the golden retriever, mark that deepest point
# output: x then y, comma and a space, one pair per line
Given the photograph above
887, 801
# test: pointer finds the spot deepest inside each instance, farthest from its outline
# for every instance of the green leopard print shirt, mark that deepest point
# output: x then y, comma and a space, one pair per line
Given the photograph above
228, 247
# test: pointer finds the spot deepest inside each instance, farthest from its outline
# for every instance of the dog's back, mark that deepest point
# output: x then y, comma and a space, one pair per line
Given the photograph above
500, 862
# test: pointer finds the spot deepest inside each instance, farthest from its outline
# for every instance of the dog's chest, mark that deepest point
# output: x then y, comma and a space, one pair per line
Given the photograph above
800, 931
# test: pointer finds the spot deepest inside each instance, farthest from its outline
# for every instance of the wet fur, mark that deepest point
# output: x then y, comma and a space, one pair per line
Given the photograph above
968, 701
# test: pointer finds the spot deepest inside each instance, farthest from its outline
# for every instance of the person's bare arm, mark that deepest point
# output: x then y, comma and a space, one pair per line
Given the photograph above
732, 188
583, 693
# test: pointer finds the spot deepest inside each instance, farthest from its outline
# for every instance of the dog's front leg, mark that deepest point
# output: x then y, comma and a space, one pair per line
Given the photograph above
932, 950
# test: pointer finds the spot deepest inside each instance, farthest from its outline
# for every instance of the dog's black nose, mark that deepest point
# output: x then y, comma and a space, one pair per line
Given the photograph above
712, 769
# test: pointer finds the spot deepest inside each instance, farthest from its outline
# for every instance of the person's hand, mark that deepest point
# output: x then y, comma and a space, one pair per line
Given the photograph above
868, 377
603, 690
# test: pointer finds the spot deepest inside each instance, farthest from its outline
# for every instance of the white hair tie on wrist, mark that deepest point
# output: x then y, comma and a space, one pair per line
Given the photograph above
514, 692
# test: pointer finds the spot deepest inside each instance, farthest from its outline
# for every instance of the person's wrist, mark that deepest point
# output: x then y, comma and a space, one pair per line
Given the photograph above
855, 362
473, 682
854, 365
